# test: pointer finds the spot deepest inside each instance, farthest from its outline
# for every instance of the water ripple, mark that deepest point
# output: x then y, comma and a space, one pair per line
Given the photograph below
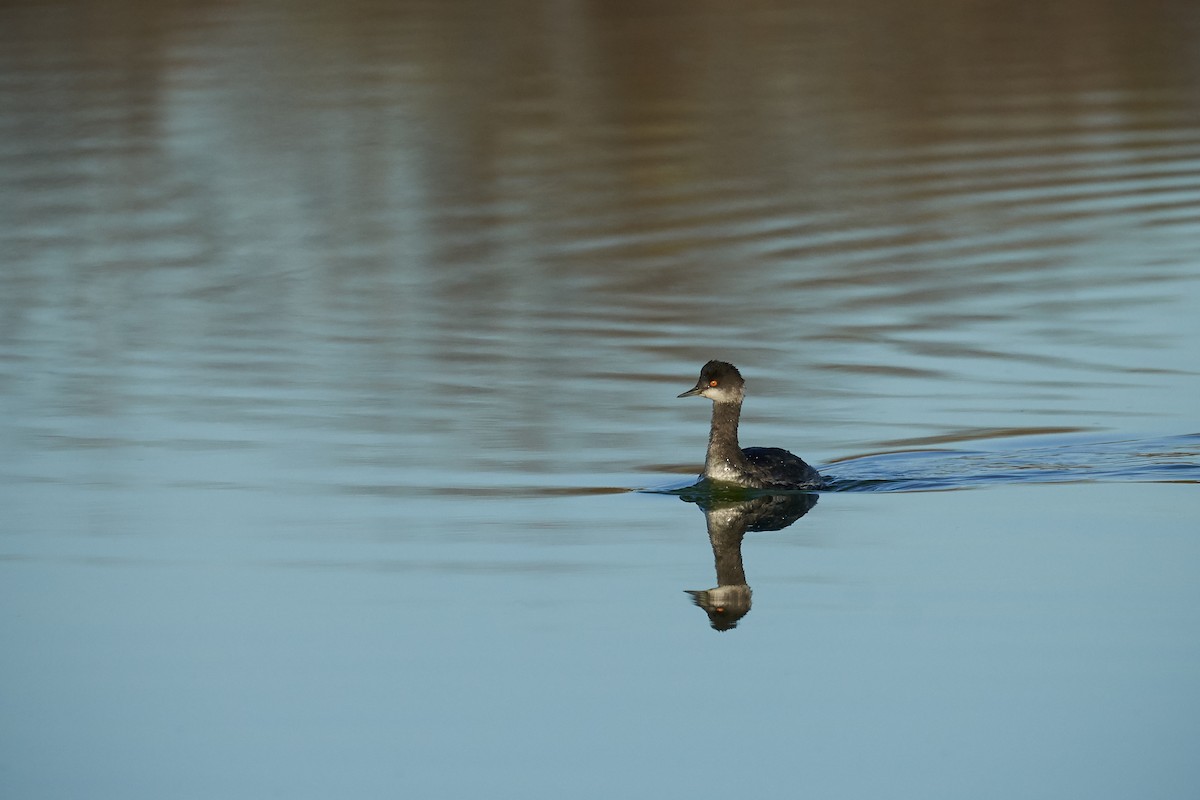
1173, 459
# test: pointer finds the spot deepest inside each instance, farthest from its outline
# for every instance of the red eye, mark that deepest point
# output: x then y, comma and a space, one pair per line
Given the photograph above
712, 383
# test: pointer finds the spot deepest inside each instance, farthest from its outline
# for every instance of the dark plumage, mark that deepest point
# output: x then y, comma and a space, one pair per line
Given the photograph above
753, 467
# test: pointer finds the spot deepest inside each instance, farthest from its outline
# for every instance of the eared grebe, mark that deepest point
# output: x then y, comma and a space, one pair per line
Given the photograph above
754, 467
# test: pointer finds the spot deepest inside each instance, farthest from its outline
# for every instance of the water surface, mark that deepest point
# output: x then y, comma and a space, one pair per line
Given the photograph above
336, 342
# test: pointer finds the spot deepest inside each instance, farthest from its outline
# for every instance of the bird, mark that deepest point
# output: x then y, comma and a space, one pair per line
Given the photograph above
726, 461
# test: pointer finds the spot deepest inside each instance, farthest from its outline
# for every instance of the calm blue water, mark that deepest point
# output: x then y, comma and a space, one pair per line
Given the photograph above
339, 348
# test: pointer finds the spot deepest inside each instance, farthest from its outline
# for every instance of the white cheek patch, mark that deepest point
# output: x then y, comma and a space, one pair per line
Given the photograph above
720, 394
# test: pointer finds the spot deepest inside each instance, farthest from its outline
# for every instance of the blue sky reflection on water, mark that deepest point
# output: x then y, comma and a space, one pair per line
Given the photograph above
335, 342
1018, 635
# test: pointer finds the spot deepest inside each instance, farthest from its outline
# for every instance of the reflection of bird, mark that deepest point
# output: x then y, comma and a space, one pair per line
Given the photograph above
754, 467
725, 605
727, 523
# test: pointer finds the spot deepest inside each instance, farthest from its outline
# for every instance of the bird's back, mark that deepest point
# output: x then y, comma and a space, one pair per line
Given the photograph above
776, 468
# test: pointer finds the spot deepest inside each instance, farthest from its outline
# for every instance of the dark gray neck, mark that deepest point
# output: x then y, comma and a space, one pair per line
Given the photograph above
723, 438
726, 534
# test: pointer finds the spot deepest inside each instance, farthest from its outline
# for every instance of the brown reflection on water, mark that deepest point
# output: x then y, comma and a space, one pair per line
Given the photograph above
540, 111
481, 115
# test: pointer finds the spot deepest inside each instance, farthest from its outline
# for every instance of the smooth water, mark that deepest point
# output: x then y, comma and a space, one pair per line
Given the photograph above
339, 346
